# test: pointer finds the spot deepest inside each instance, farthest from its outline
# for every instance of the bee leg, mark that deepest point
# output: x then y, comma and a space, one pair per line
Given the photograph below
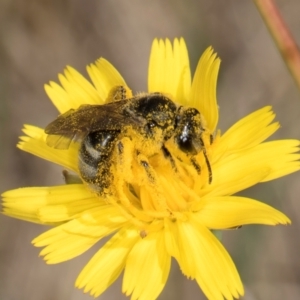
105, 178
207, 162
148, 169
70, 178
169, 156
124, 154
196, 165
149, 176
150, 184
118, 93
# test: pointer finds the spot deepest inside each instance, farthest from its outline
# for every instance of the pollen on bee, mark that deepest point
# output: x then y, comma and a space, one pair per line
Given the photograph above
117, 93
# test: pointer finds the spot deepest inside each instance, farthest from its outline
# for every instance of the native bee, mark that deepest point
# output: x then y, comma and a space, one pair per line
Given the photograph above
148, 120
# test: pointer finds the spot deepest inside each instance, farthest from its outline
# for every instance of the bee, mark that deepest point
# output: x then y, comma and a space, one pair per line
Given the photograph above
149, 121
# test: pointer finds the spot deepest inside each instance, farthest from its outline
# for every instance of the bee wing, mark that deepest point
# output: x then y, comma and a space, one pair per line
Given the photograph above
60, 141
76, 124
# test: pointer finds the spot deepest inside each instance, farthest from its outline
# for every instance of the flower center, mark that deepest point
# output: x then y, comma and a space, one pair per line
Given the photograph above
149, 189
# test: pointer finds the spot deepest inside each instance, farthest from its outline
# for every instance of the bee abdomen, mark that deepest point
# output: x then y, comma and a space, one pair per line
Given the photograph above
94, 159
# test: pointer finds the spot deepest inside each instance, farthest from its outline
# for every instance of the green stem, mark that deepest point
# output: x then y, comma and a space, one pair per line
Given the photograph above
282, 36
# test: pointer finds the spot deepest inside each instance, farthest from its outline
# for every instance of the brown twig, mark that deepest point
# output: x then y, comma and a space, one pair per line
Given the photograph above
282, 36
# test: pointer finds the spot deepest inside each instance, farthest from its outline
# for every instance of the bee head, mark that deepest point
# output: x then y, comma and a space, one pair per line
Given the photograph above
188, 130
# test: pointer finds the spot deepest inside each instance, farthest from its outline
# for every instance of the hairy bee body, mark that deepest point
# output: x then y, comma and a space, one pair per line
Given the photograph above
149, 121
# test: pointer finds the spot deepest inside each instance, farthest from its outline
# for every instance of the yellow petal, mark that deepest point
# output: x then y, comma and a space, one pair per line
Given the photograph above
157, 70
75, 237
169, 69
89, 210
183, 72
62, 245
204, 86
247, 167
26, 203
218, 269
75, 91
247, 132
201, 256
35, 143
147, 268
179, 248
65, 212
233, 177
97, 222
282, 155
172, 238
107, 264
59, 97
104, 77
227, 212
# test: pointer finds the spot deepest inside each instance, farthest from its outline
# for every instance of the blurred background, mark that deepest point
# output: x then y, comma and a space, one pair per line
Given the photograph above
39, 38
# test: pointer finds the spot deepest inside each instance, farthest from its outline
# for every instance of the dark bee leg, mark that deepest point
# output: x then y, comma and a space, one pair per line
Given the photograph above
207, 162
151, 183
150, 176
70, 178
148, 170
196, 165
208, 166
120, 148
211, 139
124, 154
144, 163
129, 163
169, 156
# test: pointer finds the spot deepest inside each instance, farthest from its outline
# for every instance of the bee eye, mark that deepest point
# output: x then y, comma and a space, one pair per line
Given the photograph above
185, 143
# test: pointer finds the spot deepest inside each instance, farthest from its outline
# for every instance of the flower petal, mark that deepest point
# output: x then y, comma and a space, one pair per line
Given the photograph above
157, 67
201, 256
147, 268
247, 132
107, 264
169, 70
65, 212
232, 182
75, 237
282, 155
35, 143
218, 264
237, 211
182, 71
242, 169
62, 245
27, 203
75, 91
104, 77
204, 87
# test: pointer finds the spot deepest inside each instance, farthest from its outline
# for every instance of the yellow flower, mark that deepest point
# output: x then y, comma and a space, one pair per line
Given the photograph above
172, 215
